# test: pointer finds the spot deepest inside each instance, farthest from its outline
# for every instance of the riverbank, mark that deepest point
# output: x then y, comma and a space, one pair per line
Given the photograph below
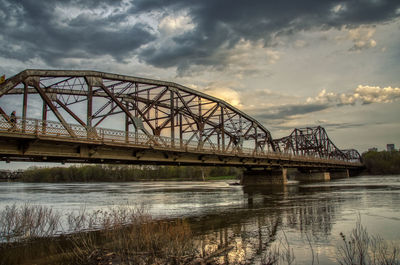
121, 235
376, 163
245, 224
120, 173
127, 235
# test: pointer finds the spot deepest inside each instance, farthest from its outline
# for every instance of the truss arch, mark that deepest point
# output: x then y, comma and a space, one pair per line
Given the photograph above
156, 108
314, 141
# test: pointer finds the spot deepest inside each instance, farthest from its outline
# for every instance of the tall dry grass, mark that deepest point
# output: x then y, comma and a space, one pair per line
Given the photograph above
129, 235
21, 223
361, 248
143, 241
111, 217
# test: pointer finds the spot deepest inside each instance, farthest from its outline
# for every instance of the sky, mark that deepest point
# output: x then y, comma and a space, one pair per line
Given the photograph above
287, 63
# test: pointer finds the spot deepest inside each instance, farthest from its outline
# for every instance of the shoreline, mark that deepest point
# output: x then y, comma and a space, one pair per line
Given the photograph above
136, 180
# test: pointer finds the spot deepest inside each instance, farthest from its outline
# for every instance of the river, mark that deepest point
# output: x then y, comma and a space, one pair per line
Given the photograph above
251, 219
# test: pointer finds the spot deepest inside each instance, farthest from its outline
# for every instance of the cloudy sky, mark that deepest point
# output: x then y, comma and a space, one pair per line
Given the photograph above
288, 63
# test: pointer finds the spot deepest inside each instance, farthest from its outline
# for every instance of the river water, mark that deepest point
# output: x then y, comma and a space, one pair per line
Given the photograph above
251, 220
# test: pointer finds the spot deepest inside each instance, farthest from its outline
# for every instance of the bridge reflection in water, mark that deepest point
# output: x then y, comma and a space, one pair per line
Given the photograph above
246, 236
154, 122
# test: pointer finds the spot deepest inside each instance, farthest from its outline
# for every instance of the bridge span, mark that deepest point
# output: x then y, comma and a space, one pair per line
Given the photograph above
95, 117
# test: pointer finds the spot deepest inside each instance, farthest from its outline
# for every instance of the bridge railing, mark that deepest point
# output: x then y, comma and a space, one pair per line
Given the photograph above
54, 129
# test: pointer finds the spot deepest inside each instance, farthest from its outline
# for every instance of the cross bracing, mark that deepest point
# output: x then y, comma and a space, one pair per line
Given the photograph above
78, 104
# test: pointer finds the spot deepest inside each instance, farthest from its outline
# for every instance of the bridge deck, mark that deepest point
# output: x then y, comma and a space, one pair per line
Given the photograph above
37, 140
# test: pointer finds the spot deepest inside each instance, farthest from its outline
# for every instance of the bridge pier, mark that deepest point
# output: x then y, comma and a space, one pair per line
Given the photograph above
340, 174
313, 175
254, 177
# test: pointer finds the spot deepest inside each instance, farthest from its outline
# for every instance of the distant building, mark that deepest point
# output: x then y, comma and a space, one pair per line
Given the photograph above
373, 149
390, 147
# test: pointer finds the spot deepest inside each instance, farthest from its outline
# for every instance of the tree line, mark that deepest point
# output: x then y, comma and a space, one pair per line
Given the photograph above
376, 163
115, 173
381, 163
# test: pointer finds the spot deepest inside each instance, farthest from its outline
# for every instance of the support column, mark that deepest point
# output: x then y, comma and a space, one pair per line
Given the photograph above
313, 175
24, 107
172, 113
264, 177
89, 107
355, 171
127, 123
222, 127
44, 117
339, 174
180, 131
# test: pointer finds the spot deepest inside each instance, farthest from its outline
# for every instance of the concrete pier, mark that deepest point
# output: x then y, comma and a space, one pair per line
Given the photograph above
265, 177
312, 175
340, 174
255, 177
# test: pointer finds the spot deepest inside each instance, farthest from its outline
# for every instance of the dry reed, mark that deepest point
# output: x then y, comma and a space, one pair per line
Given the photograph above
129, 235
21, 223
360, 248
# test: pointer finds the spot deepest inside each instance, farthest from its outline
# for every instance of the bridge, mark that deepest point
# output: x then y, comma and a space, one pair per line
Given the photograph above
95, 117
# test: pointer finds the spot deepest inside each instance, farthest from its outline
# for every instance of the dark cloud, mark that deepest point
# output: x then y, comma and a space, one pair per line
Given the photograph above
34, 29
280, 125
287, 111
221, 24
344, 125
348, 125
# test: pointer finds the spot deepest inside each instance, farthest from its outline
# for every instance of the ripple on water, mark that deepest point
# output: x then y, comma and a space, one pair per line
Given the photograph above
321, 210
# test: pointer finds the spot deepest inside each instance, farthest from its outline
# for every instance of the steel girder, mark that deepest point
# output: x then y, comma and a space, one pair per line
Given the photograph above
314, 141
156, 108
352, 155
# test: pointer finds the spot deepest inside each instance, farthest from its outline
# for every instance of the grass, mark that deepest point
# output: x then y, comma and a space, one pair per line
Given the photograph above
125, 234
27, 222
128, 235
360, 248
151, 242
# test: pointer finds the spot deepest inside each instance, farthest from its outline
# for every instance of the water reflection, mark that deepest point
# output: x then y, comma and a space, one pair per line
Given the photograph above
298, 215
240, 225
246, 235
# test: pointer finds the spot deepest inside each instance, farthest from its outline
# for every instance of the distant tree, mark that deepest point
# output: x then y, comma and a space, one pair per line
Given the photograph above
382, 162
117, 173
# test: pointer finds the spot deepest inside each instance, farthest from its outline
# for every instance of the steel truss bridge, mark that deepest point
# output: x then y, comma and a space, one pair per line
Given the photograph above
96, 117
